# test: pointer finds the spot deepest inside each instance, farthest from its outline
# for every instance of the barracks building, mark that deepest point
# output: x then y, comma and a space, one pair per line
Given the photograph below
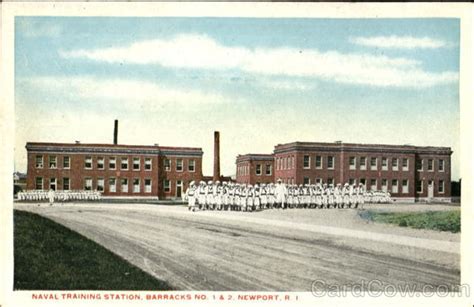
411, 173
115, 170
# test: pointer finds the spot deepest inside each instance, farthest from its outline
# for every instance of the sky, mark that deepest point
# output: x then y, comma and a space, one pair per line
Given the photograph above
259, 81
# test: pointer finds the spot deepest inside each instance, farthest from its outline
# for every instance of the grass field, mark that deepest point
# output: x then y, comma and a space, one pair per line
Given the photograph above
51, 257
436, 220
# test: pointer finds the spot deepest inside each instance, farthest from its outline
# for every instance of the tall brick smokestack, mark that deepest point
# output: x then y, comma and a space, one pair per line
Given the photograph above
217, 166
116, 132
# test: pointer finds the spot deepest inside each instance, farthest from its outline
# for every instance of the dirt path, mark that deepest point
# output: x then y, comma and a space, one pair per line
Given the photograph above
206, 252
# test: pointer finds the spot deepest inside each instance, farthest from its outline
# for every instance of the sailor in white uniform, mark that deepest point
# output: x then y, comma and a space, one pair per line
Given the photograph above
280, 194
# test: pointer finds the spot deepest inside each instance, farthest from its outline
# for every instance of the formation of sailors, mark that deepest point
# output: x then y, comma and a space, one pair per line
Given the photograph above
246, 197
61, 196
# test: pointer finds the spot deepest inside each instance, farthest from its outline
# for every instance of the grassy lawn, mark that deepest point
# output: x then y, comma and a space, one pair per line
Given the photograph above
49, 256
436, 220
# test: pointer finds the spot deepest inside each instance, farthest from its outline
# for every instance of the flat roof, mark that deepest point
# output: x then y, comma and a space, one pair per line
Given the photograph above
111, 148
340, 146
256, 157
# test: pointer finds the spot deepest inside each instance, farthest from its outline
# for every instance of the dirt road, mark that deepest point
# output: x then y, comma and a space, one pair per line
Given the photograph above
194, 251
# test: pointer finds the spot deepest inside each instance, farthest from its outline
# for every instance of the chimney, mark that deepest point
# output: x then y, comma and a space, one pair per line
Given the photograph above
115, 131
217, 169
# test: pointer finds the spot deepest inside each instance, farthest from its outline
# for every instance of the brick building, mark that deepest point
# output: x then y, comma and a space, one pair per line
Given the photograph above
408, 172
254, 168
115, 170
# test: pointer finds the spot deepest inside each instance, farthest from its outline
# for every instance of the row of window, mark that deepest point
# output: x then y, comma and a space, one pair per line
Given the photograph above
112, 184
405, 163
100, 184
53, 162
112, 163
430, 165
243, 170
284, 163
374, 165
53, 184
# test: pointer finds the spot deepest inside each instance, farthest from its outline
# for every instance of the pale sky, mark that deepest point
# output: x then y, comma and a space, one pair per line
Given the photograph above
260, 82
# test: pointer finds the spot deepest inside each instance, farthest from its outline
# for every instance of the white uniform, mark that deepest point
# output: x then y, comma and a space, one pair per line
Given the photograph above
51, 197
280, 194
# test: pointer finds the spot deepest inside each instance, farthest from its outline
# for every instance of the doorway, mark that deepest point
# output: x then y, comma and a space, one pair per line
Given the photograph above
179, 188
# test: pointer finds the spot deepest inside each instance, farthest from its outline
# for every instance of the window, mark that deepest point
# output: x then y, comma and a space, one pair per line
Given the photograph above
112, 163
192, 165
167, 186
441, 186
330, 181
441, 165
430, 165
124, 185
351, 181
373, 184
384, 164
52, 183
167, 165
352, 163
148, 164
100, 163
404, 186
330, 162
318, 181
136, 185
179, 165
66, 162
362, 180
363, 163
39, 161
373, 164
306, 180
147, 185
306, 161
384, 185
100, 184
112, 185
394, 186
39, 183
66, 184
258, 169
136, 164
419, 186
88, 184
268, 169
292, 162
88, 162
405, 164
286, 163
319, 162
52, 162
419, 165
124, 163
394, 164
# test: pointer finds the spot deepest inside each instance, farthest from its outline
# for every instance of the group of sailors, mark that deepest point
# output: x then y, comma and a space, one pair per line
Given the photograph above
246, 197
61, 196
